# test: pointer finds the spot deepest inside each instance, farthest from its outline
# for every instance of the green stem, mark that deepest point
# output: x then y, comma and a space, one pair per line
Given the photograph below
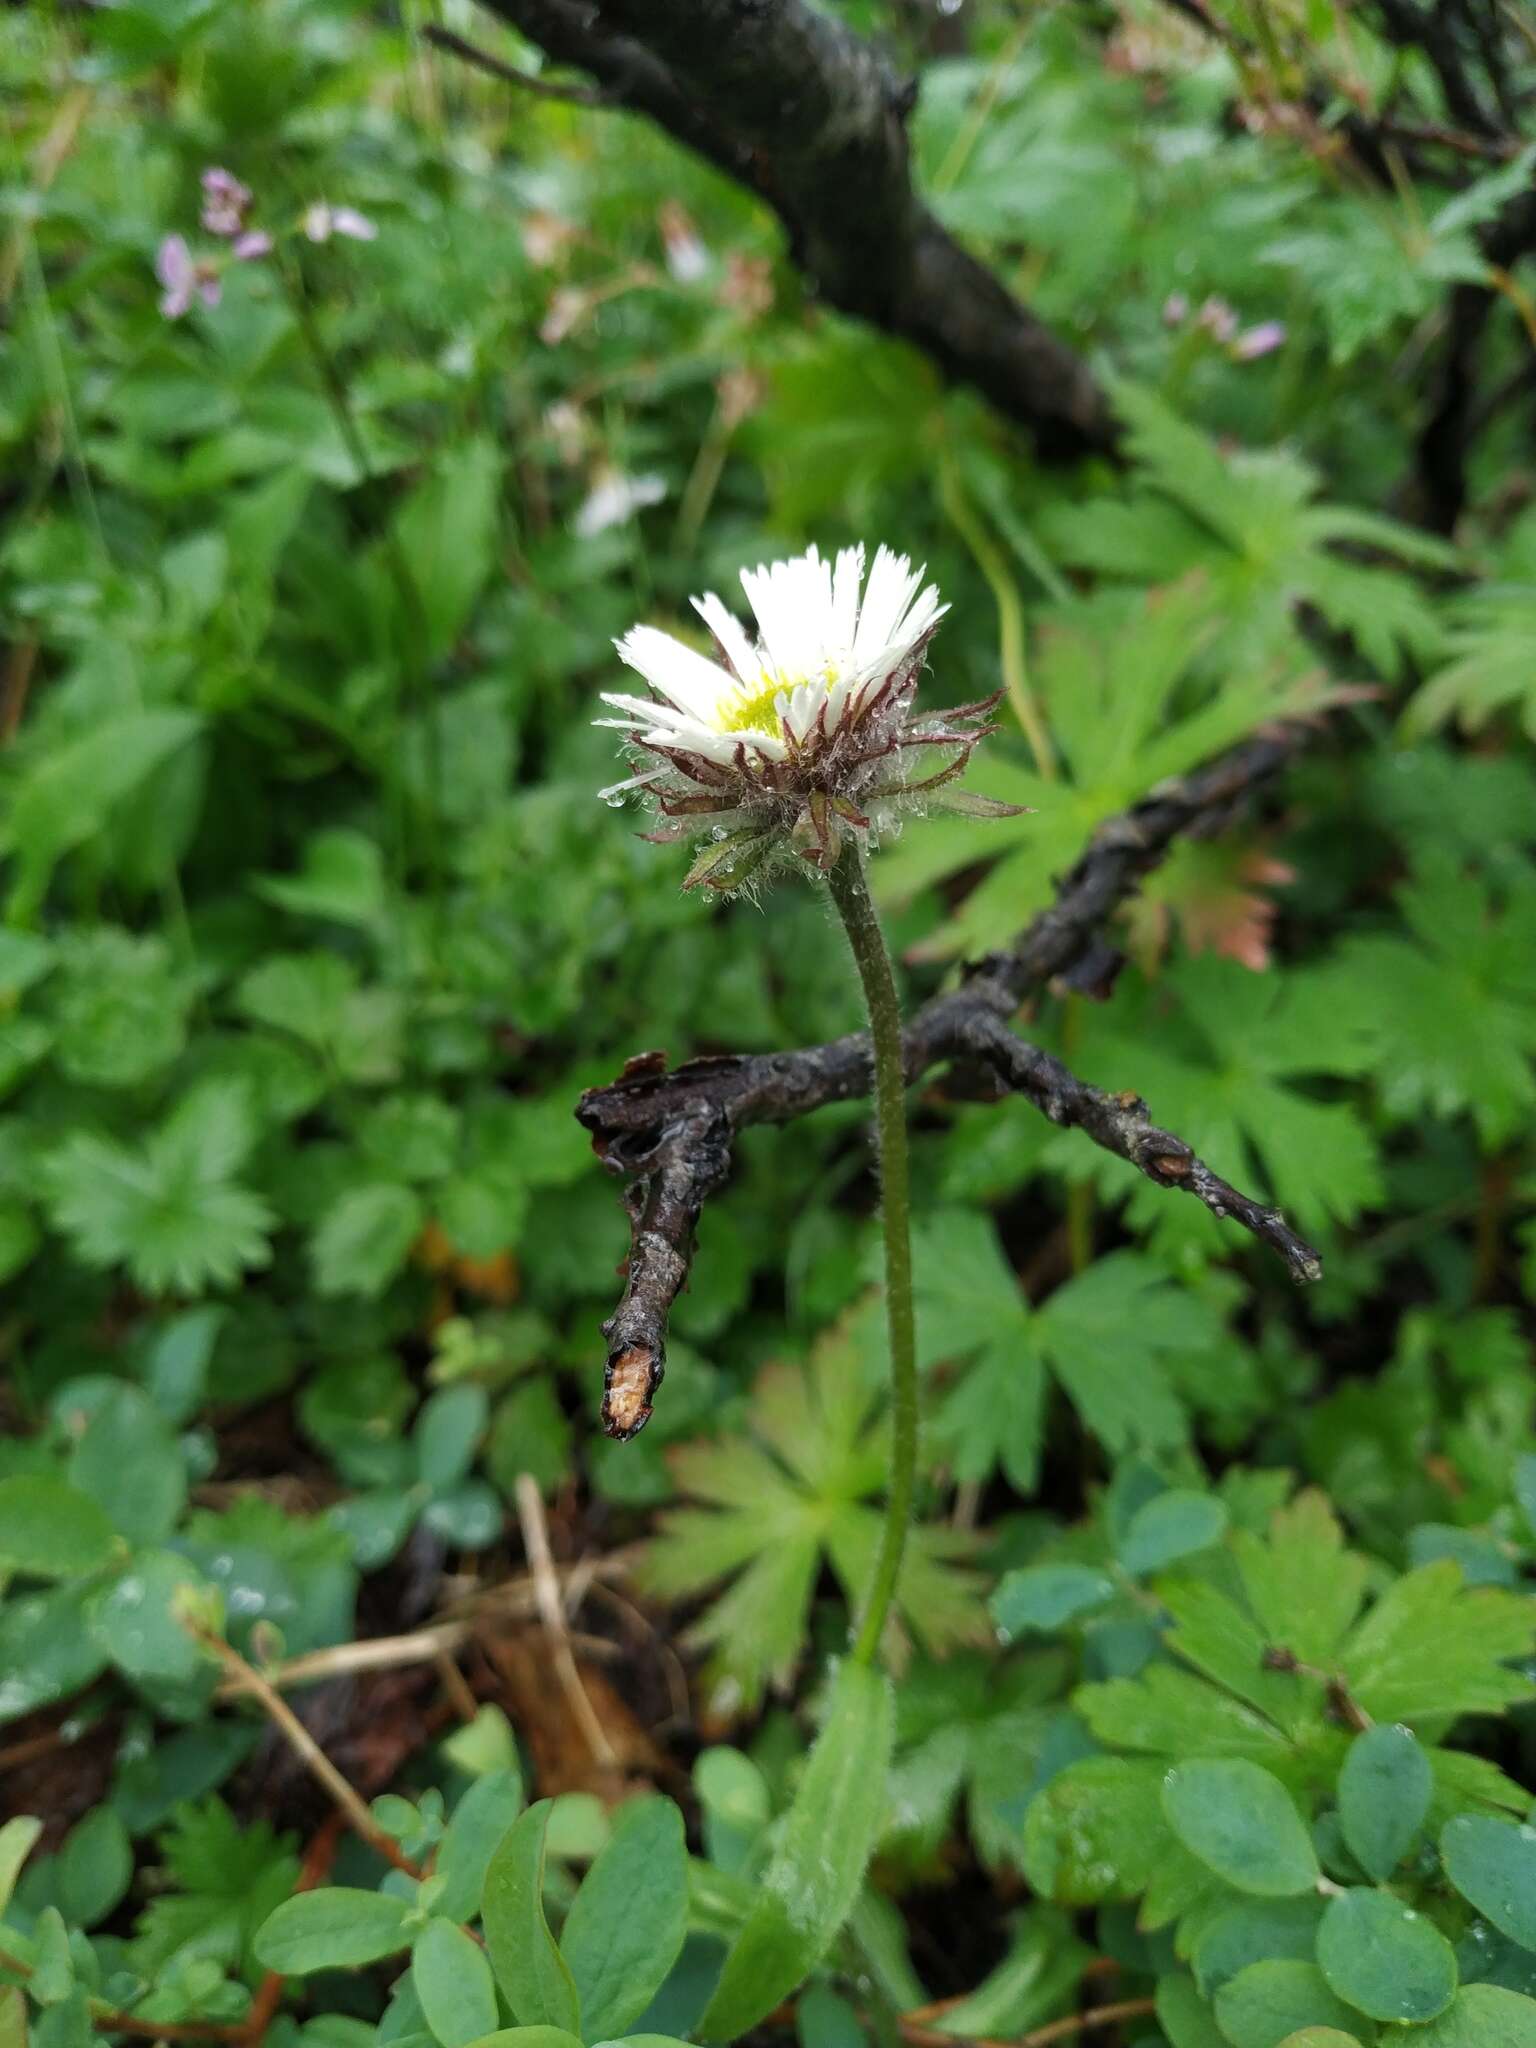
850, 892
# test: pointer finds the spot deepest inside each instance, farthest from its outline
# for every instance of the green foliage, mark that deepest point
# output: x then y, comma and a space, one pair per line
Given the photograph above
1213, 1672
789, 1492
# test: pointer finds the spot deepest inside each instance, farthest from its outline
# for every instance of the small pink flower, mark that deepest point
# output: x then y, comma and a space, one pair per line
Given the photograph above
253, 243
1259, 341
1175, 309
183, 278
1218, 319
320, 222
225, 201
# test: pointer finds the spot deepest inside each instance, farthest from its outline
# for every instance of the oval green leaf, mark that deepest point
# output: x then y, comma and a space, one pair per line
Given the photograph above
813, 1879
1481, 2016
337, 1928
530, 1969
1384, 1793
453, 1981
1384, 1959
626, 1925
479, 1823
1045, 1596
1492, 1863
1240, 1821
50, 1529
1176, 1524
1268, 2002
528, 2037
1254, 1931
1184, 2015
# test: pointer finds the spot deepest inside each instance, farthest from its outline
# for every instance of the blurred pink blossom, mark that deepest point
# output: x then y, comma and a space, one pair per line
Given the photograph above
1175, 309
253, 243
1218, 319
321, 221
225, 202
1259, 341
184, 278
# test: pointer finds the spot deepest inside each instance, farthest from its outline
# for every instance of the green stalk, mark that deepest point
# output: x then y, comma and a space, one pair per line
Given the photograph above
850, 892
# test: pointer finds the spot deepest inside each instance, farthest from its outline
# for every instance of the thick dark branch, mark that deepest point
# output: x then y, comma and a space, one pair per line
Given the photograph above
672, 1132
790, 104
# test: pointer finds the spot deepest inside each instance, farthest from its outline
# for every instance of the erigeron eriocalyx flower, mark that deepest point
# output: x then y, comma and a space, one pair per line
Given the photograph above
794, 741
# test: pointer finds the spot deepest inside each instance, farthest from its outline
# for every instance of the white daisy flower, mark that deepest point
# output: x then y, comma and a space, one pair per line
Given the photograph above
802, 735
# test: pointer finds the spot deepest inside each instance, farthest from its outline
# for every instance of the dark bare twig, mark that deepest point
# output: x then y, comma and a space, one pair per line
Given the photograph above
671, 1133
802, 112
542, 88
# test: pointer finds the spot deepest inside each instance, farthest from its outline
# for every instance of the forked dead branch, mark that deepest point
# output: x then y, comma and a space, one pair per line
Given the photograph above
671, 1133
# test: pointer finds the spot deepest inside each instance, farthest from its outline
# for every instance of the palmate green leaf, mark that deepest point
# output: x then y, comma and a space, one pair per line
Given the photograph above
782, 1499
119, 1008
1431, 1647
317, 999
1129, 703
1452, 1017
227, 1879
1105, 1336
1224, 1056
69, 791
1172, 1713
170, 1210
814, 1874
365, 1238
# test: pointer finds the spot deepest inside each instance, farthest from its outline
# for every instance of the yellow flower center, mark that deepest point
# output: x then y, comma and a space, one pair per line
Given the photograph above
754, 713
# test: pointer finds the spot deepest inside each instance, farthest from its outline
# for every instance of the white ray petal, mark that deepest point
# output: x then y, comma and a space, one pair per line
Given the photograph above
890, 590
692, 682
845, 601
732, 636
632, 782
643, 710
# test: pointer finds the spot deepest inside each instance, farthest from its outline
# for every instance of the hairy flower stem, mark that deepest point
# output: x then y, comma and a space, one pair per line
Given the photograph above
850, 892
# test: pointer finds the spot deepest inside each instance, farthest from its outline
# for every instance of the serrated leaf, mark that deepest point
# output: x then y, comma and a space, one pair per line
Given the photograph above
1430, 1648
365, 1237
